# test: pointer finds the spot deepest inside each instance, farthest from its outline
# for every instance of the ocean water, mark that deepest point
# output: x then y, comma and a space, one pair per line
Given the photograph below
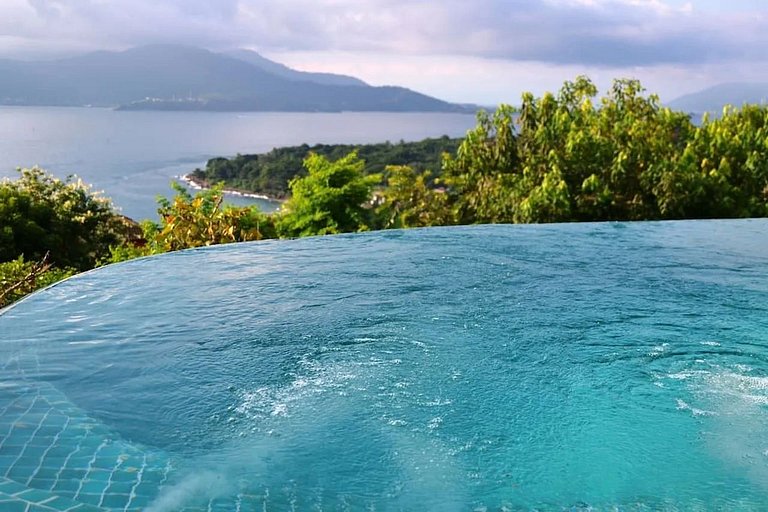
133, 156
612, 366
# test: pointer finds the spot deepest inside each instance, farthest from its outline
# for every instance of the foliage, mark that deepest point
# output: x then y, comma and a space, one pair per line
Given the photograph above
270, 173
409, 201
203, 220
570, 157
189, 221
723, 169
483, 168
40, 214
19, 278
330, 199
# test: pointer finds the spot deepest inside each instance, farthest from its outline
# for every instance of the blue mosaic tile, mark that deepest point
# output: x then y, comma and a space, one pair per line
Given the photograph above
67, 487
33, 495
89, 498
120, 487
13, 506
60, 459
41, 483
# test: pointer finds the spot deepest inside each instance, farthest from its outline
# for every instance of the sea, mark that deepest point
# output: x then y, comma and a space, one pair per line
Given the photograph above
132, 157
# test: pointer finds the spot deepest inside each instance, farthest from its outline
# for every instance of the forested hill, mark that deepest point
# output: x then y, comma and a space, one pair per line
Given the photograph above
270, 173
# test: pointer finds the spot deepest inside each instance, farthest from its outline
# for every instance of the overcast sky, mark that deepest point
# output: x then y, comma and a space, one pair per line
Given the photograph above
480, 51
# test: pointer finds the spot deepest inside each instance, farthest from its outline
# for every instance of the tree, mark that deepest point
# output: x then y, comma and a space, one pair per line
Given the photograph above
40, 214
189, 221
409, 201
333, 198
722, 170
481, 176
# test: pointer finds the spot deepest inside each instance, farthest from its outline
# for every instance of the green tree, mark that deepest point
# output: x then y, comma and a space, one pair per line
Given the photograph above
188, 221
722, 170
334, 197
481, 176
203, 220
40, 214
408, 200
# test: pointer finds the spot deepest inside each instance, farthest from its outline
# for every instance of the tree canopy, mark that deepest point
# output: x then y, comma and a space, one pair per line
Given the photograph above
330, 199
574, 157
40, 214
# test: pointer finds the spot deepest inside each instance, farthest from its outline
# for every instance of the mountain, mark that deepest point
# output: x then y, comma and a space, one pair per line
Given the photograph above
713, 99
284, 71
172, 77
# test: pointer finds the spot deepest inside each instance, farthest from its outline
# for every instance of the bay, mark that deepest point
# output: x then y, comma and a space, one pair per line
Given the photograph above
133, 156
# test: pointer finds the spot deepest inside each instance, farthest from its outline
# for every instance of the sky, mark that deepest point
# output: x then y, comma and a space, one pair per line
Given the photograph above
472, 51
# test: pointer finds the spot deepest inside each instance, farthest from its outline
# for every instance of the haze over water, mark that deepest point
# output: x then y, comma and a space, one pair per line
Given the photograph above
133, 156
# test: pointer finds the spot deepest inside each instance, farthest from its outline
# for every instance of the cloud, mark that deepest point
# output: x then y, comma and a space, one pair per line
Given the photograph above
592, 32
490, 81
457, 49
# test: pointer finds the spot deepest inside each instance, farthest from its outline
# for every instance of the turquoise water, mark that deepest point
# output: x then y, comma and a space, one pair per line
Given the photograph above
562, 367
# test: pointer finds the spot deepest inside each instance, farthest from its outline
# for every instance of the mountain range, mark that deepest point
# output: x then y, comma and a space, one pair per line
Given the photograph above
173, 77
176, 77
713, 99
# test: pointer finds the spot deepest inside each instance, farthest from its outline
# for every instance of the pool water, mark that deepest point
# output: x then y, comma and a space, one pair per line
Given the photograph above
615, 366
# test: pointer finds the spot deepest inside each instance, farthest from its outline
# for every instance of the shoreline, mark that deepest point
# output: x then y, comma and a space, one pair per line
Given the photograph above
201, 185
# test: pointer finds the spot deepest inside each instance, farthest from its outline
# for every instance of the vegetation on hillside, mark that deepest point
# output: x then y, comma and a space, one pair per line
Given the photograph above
271, 173
559, 158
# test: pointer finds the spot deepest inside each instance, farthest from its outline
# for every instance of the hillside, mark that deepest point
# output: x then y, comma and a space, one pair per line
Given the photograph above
172, 77
284, 71
713, 99
270, 173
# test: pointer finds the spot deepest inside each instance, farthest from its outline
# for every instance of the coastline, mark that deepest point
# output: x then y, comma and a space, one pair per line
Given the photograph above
196, 184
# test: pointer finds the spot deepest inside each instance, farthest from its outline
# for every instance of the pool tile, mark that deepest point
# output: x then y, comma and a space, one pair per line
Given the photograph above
73, 474
88, 498
33, 495
70, 461
99, 475
13, 506
60, 450
60, 503
48, 472
153, 476
20, 472
78, 463
42, 483
11, 450
121, 487
6, 461
92, 487
125, 476
40, 508
69, 486
35, 452
84, 507
139, 501
10, 487
145, 488
119, 501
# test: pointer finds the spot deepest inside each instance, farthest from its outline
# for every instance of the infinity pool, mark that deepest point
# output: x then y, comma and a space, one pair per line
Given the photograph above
560, 367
